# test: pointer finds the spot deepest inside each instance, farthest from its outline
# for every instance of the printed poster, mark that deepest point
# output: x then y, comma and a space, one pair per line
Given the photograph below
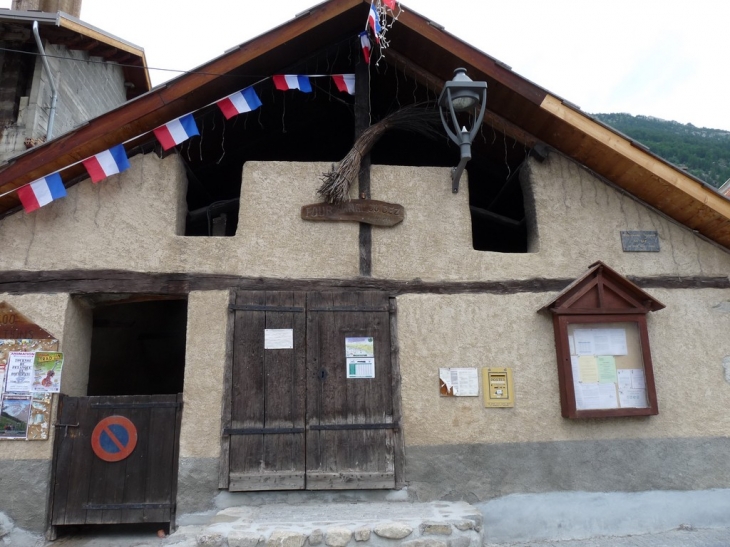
360, 356
47, 367
14, 416
19, 374
459, 382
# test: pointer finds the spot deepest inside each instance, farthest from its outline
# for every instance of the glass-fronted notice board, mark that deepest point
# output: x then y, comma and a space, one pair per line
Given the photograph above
607, 366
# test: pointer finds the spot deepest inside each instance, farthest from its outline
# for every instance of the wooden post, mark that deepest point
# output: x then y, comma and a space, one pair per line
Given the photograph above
362, 122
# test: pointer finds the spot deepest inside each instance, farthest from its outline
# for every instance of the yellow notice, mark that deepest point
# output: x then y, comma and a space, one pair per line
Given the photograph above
588, 369
606, 369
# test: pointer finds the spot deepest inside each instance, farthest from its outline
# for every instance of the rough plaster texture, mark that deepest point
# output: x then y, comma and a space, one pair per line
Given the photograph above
578, 218
205, 358
24, 491
492, 330
78, 325
564, 516
197, 484
133, 220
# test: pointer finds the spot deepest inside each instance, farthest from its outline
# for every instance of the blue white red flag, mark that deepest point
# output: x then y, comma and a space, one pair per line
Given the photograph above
239, 102
41, 192
285, 82
107, 163
173, 133
365, 43
345, 83
374, 22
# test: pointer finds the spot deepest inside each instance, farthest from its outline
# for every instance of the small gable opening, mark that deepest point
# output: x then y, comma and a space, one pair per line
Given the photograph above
138, 348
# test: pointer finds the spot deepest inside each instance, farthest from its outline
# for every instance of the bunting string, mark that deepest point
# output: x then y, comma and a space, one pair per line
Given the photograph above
113, 161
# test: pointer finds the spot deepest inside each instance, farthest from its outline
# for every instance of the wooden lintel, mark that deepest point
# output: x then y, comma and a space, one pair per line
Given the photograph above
81, 282
367, 211
436, 84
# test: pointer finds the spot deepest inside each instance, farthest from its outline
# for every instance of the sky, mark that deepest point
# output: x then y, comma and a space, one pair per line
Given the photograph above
662, 58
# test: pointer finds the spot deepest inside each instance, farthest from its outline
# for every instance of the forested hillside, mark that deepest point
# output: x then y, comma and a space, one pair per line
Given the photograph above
703, 152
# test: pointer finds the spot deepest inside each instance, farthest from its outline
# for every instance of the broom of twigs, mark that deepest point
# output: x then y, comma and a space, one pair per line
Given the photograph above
416, 118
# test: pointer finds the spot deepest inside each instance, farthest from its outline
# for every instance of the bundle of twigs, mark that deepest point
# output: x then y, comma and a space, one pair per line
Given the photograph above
416, 118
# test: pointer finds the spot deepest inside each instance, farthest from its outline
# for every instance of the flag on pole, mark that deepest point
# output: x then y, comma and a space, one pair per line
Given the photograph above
390, 4
173, 133
285, 82
374, 22
345, 82
107, 163
239, 102
365, 43
41, 192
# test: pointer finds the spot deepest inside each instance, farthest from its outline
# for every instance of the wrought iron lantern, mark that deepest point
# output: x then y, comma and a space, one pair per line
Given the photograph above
461, 94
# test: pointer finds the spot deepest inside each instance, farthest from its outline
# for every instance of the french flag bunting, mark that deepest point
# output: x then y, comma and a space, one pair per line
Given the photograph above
107, 163
390, 4
374, 22
366, 47
285, 82
173, 133
345, 82
41, 192
239, 102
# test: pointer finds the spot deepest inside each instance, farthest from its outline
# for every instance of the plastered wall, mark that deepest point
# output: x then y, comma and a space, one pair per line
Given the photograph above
134, 221
688, 342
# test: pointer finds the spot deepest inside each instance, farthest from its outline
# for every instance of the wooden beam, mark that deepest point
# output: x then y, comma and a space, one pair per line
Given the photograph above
436, 84
82, 282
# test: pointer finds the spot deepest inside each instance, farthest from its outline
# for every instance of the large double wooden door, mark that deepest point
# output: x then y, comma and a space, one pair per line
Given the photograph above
294, 419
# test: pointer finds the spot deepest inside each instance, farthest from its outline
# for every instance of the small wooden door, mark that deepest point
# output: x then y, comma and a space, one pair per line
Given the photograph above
267, 393
295, 420
141, 487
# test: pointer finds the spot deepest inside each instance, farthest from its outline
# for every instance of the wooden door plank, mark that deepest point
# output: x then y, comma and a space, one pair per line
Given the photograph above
158, 487
227, 394
65, 442
349, 481
399, 445
80, 476
266, 481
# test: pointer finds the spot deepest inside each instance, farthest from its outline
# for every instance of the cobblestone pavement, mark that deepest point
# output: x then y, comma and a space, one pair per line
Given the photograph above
676, 538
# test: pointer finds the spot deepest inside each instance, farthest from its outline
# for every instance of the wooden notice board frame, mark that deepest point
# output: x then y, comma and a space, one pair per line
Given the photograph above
605, 303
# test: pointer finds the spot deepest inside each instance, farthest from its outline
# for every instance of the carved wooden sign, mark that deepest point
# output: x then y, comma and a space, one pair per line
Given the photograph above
368, 211
15, 326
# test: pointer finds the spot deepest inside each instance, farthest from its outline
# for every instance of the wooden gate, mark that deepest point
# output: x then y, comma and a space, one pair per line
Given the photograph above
140, 487
294, 419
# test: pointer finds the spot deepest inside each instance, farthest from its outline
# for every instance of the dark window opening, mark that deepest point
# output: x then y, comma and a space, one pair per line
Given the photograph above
138, 348
16, 77
319, 126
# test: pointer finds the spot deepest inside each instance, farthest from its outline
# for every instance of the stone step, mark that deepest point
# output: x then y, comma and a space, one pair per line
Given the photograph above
361, 524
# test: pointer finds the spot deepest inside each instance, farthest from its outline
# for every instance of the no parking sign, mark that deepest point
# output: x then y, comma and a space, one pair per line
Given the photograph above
114, 438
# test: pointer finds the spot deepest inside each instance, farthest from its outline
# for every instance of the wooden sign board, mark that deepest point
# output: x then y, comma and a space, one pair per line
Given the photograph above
14, 326
368, 211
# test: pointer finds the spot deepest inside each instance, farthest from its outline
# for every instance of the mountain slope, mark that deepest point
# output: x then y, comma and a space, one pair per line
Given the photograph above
703, 152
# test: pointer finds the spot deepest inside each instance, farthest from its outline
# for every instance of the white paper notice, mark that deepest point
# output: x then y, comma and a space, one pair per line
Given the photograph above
624, 378
633, 398
20, 371
584, 342
361, 367
595, 396
278, 338
575, 367
618, 342
602, 341
638, 381
571, 345
460, 382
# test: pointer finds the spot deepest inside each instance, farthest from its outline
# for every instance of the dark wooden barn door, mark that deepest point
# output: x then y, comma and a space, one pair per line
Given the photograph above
268, 393
141, 486
295, 420
350, 426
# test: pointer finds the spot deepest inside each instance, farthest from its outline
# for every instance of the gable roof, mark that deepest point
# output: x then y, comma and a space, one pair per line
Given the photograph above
60, 28
520, 108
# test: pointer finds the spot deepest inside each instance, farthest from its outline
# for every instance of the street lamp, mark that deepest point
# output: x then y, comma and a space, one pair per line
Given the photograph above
461, 94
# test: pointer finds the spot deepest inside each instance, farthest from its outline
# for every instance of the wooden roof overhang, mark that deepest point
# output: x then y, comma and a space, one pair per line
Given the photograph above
516, 106
63, 29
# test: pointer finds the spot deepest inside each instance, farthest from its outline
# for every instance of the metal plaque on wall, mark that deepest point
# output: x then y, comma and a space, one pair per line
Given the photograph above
640, 241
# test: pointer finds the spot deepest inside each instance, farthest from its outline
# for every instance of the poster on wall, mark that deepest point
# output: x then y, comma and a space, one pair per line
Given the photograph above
360, 356
47, 368
458, 382
14, 416
19, 374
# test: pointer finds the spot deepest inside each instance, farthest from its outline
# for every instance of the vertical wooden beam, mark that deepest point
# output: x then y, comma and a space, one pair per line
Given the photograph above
362, 122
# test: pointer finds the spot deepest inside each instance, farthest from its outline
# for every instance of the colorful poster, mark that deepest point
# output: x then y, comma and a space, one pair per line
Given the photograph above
359, 347
360, 367
20, 372
47, 368
14, 416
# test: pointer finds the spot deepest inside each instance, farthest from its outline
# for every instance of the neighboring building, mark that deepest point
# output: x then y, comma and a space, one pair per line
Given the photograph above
93, 72
252, 328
